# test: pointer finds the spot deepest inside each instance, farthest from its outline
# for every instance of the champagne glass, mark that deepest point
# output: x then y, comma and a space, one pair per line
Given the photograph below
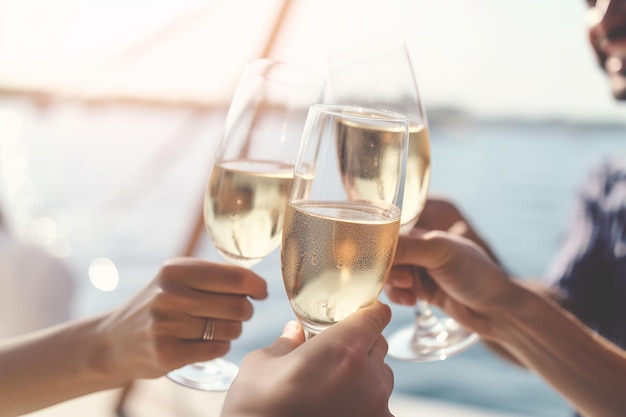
379, 74
337, 247
246, 194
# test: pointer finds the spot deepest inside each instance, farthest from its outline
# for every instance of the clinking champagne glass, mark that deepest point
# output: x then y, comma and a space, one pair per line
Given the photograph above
246, 194
337, 247
379, 74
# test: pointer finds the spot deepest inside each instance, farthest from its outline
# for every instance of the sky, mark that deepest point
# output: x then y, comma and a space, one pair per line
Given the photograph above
528, 58
525, 58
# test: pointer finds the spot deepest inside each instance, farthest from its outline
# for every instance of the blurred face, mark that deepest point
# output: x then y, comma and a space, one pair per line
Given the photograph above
607, 33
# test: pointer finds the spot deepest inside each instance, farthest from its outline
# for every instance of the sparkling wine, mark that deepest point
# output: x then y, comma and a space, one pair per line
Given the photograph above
373, 180
335, 257
368, 160
244, 207
417, 176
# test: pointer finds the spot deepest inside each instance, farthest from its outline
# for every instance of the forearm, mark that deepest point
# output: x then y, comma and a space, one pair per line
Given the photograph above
539, 288
584, 367
51, 366
502, 352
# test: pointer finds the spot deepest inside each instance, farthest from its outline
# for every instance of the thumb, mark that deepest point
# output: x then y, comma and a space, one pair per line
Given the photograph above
428, 250
292, 337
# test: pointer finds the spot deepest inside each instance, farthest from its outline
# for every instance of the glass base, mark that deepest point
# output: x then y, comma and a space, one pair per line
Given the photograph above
440, 341
215, 375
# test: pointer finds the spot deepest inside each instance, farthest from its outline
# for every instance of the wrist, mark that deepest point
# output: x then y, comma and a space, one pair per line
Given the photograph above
99, 362
528, 314
517, 306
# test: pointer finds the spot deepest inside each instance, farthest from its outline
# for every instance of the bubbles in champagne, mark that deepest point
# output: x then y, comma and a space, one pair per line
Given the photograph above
244, 207
347, 250
417, 176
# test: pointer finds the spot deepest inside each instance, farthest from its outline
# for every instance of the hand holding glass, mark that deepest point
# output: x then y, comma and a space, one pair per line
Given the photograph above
379, 74
337, 247
247, 190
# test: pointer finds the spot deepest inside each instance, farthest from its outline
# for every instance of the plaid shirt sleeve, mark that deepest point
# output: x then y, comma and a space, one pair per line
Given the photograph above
591, 265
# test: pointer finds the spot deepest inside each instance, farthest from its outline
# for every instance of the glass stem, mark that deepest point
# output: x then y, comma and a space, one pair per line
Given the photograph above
422, 309
427, 325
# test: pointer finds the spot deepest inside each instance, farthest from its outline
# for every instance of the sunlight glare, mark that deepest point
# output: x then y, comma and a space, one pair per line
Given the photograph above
103, 274
44, 231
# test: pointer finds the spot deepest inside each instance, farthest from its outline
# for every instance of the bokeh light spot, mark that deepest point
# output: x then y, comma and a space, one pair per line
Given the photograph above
103, 274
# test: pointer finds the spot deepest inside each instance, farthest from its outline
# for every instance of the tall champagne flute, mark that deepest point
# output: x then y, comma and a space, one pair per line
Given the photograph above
337, 247
246, 194
379, 74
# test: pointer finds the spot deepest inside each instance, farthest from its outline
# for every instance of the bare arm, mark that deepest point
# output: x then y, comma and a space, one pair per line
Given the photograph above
540, 289
52, 365
159, 330
584, 367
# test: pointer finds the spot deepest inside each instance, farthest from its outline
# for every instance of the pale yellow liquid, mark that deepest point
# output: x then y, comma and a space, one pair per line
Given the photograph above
417, 176
335, 258
376, 176
370, 160
244, 207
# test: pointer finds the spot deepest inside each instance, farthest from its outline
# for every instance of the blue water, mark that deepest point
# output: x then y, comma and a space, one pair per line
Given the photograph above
125, 182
